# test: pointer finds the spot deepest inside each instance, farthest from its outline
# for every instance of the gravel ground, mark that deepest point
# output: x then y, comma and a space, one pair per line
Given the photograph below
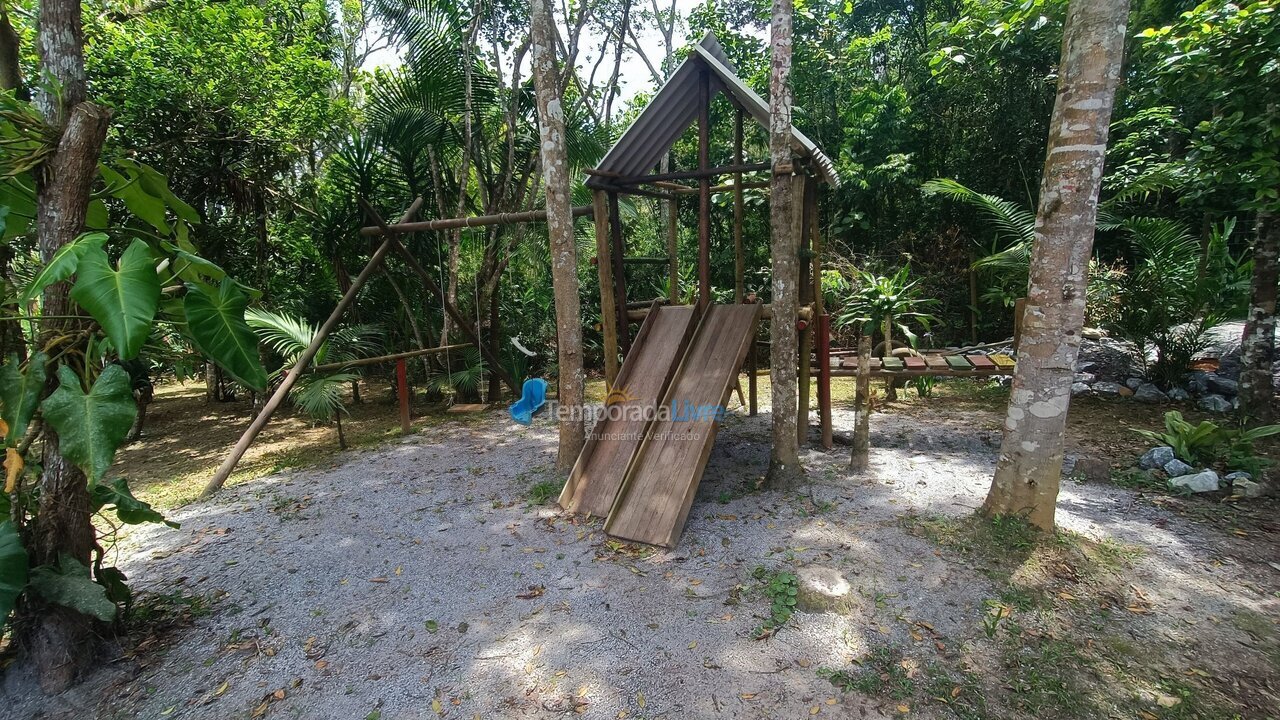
415, 580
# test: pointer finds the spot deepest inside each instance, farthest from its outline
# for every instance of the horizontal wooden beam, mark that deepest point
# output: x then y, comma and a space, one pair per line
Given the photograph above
362, 362
466, 222
682, 175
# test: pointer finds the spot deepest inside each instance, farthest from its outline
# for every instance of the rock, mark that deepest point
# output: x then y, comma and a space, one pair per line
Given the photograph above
1149, 393
1178, 395
1204, 481
1084, 366
1177, 468
1092, 469
1084, 377
1079, 388
1124, 392
1108, 388
1197, 386
1134, 383
821, 589
1092, 333
1248, 489
1214, 403
1237, 475
1221, 386
1156, 457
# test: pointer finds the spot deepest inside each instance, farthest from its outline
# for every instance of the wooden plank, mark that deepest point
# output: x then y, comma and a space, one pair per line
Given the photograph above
935, 361
891, 363
663, 478
981, 362
874, 363
914, 363
1002, 361
958, 362
599, 471
464, 408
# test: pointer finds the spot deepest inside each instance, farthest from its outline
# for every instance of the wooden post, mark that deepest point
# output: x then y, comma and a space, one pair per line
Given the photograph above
973, 305
824, 379
704, 189
402, 389
739, 257
805, 336
619, 279
860, 456
604, 271
673, 254
309, 354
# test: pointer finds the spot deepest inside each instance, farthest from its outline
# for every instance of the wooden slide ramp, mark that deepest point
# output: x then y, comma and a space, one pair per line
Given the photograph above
662, 478
599, 471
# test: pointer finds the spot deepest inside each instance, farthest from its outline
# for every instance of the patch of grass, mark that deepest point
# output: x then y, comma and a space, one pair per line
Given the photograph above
1043, 676
887, 672
541, 492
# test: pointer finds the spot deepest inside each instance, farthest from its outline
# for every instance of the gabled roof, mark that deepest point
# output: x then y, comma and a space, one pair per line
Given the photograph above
675, 107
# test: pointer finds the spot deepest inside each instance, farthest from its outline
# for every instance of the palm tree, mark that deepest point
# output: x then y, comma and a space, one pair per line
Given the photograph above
317, 394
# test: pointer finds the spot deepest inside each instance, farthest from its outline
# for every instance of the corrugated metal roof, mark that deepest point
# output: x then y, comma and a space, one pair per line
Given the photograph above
675, 107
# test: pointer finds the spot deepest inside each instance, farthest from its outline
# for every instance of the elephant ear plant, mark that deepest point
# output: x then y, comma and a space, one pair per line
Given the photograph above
123, 283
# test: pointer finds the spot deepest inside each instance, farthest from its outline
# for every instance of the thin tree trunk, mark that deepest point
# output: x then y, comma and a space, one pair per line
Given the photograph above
860, 455
61, 642
564, 251
1257, 387
1030, 466
784, 460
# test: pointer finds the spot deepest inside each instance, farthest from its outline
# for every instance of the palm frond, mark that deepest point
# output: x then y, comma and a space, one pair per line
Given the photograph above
320, 396
287, 336
1012, 223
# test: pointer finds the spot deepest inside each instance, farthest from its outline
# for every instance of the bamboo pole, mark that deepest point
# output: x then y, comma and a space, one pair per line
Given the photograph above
619, 277
478, 221
362, 362
673, 259
860, 456
242, 445
739, 257
804, 338
608, 312
402, 389
704, 189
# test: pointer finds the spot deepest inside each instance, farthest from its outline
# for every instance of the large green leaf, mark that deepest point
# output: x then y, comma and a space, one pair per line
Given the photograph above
63, 265
69, 585
13, 568
140, 203
129, 509
91, 426
20, 395
123, 301
217, 325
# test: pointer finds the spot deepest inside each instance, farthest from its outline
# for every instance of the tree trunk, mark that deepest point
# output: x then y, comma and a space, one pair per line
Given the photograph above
60, 641
784, 460
564, 250
1030, 466
1257, 387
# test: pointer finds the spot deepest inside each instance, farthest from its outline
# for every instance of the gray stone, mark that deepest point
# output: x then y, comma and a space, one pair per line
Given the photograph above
1149, 393
1204, 481
1084, 377
1237, 475
820, 589
1108, 388
1156, 457
1178, 395
1092, 333
1222, 386
1177, 468
1248, 489
1134, 383
1084, 366
1214, 403
1092, 469
1079, 388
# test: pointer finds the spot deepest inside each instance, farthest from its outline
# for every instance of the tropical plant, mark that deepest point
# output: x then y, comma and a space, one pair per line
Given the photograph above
885, 302
1207, 442
318, 394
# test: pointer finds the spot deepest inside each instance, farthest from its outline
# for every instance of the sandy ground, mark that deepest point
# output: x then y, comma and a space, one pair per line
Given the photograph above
415, 580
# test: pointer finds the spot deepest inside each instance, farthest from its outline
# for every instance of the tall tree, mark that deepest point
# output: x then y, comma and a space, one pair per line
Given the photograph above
1030, 466
564, 250
784, 459
57, 638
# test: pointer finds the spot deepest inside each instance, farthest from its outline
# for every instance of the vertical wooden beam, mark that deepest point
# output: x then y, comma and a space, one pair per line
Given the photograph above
704, 189
619, 279
739, 258
860, 456
604, 271
673, 253
402, 389
752, 366
973, 303
805, 336
824, 379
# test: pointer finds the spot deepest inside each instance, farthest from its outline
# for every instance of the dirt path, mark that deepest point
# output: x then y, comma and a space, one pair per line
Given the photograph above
416, 580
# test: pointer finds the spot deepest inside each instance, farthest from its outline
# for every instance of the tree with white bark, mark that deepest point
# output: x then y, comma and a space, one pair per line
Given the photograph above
1030, 465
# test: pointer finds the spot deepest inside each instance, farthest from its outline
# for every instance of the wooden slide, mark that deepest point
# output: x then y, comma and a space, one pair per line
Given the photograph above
598, 474
641, 474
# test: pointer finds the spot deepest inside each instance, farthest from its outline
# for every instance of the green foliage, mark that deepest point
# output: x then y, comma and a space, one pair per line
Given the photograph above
91, 426
13, 568
545, 490
880, 301
68, 584
781, 589
1208, 442
20, 394
64, 263
129, 510
216, 321
124, 301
